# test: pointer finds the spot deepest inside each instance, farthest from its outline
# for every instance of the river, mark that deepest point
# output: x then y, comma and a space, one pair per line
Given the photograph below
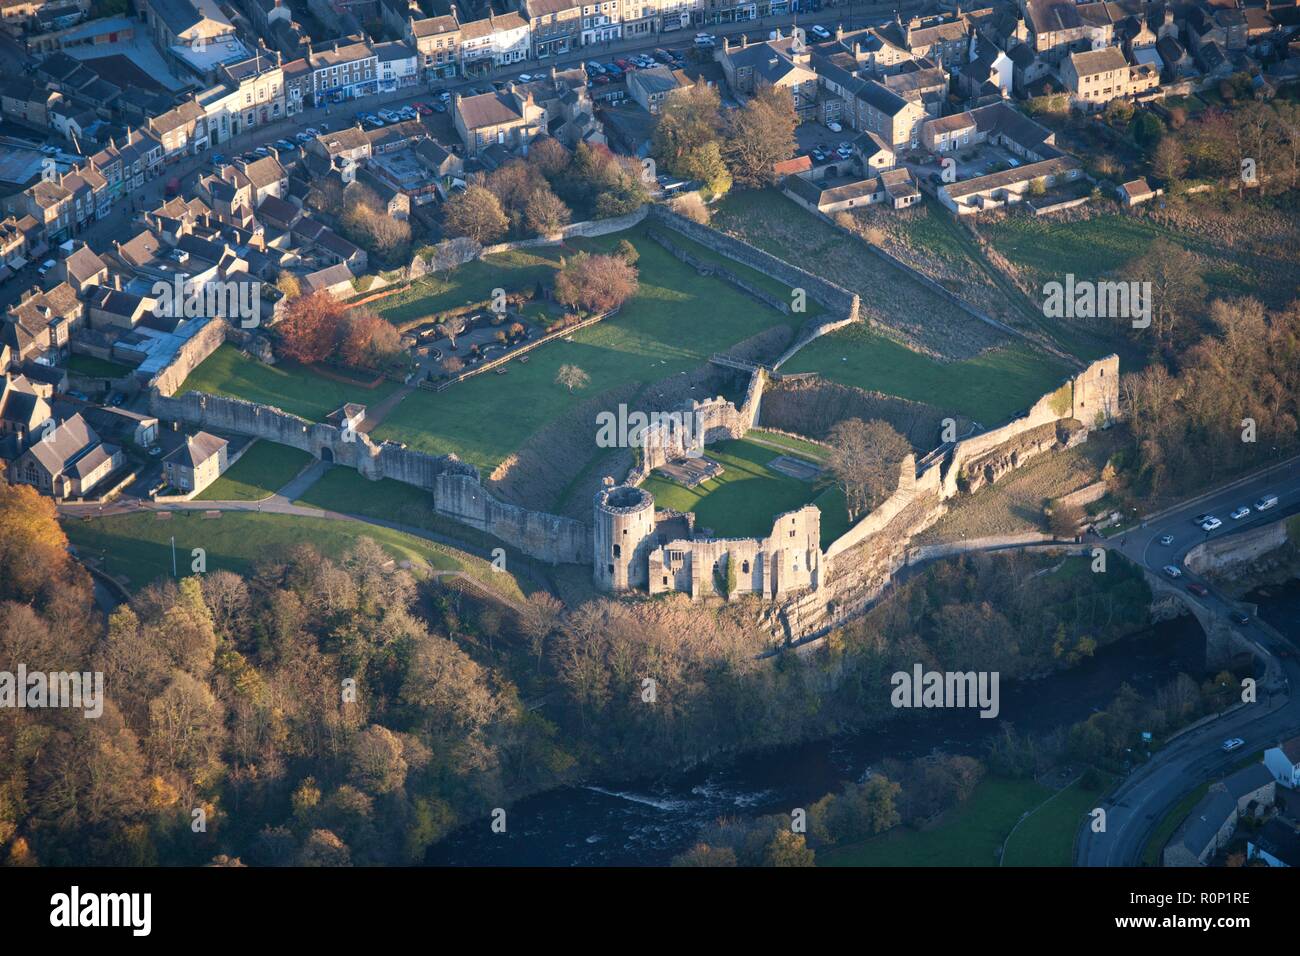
647, 823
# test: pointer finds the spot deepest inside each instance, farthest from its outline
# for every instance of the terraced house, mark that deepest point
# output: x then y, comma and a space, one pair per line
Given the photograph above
437, 43
782, 62
500, 40
1096, 77
555, 25
346, 70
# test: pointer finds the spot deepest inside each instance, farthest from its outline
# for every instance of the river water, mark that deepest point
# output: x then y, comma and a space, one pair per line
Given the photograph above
647, 823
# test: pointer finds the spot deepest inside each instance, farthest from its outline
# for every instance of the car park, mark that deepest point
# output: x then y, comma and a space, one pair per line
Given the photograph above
1232, 743
1239, 513
1200, 590
1211, 524
1166, 539
1172, 571
1266, 502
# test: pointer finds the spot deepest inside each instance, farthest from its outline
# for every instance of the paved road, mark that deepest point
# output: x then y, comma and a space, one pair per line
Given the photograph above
1141, 801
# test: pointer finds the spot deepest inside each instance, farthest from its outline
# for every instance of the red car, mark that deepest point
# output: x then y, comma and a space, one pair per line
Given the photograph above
422, 109
622, 64
1198, 589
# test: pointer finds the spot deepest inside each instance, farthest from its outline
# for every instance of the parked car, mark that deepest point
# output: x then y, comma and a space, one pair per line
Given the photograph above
621, 63
663, 56
1266, 502
834, 127
303, 137
1241, 617
1172, 571
262, 151
526, 77
45, 268
312, 131
820, 32
284, 144
1200, 590
440, 107
423, 109
600, 80
1239, 513
1232, 743
593, 68
389, 116
408, 113
615, 71
1201, 519
218, 160
444, 95
845, 150
1166, 539
818, 155
155, 451
1211, 524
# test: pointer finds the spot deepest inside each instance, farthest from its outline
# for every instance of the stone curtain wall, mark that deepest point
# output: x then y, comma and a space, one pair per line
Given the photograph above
453, 484
841, 303
190, 355
714, 269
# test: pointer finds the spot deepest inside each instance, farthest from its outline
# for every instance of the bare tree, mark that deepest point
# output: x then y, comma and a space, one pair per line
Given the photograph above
571, 377
865, 457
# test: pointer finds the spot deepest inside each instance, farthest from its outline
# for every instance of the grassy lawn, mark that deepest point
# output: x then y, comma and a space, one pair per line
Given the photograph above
743, 502
677, 319
93, 367
989, 388
473, 282
297, 390
1046, 838
138, 547
967, 835
346, 491
260, 472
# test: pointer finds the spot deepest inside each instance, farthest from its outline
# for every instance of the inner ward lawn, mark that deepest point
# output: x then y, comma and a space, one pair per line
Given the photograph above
969, 834
293, 388
676, 320
990, 388
747, 497
260, 472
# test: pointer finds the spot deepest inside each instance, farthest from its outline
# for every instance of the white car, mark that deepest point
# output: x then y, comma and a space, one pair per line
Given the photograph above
525, 77
834, 127
1166, 539
45, 268
1232, 743
1240, 513
1265, 502
1211, 523
1172, 571
389, 116
820, 32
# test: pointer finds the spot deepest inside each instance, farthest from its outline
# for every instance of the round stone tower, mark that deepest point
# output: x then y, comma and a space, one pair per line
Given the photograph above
624, 537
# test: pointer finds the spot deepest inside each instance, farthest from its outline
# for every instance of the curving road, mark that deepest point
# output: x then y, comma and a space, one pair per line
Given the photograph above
1141, 801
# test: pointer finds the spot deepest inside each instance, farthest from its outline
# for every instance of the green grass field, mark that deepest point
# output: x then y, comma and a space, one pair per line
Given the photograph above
989, 388
677, 319
138, 547
346, 491
1046, 838
295, 389
260, 472
93, 367
515, 271
747, 497
967, 835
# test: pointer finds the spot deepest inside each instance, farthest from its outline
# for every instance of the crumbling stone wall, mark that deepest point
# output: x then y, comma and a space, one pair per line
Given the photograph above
840, 303
190, 356
454, 485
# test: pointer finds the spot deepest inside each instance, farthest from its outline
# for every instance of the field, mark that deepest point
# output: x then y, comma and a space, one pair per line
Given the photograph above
345, 491
297, 390
967, 835
988, 388
914, 313
675, 322
260, 472
745, 499
137, 548
1240, 247
1046, 836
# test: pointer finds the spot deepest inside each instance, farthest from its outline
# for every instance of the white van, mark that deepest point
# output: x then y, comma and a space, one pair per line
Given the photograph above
1266, 502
